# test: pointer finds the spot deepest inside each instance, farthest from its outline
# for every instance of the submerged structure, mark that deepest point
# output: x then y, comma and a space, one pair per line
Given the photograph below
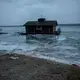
41, 26
1, 32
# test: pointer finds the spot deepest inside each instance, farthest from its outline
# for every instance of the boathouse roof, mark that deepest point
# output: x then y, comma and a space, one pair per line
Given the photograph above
41, 21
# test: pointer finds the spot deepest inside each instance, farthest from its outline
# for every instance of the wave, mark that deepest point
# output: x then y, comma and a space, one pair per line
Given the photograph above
63, 48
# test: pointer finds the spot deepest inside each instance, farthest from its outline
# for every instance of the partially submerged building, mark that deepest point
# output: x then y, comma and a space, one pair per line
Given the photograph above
41, 26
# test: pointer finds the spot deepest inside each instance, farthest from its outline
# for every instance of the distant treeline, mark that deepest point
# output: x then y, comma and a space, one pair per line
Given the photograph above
69, 24
58, 24
12, 26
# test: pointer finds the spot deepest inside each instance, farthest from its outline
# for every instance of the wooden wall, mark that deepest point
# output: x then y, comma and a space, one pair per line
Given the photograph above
43, 30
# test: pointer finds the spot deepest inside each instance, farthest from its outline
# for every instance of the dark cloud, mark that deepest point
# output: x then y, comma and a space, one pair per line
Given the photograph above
19, 11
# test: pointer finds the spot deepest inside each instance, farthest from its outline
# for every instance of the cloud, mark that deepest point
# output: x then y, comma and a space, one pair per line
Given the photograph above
16, 12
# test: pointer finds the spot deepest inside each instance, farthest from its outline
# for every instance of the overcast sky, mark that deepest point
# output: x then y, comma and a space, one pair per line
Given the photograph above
17, 12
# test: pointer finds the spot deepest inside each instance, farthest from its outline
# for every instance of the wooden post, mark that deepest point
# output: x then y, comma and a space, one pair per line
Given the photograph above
34, 30
49, 30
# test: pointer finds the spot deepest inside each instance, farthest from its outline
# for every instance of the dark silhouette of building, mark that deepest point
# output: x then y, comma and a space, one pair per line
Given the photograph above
42, 26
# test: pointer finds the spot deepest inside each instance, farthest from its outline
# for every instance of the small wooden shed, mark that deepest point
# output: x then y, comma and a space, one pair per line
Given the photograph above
41, 26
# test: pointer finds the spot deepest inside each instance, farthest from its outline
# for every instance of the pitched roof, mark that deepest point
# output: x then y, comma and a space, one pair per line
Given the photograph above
40, 23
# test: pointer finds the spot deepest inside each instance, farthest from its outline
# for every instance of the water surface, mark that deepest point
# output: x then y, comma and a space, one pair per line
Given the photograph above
63, 48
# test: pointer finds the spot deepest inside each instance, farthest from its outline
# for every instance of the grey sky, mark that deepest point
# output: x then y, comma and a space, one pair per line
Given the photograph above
17, 12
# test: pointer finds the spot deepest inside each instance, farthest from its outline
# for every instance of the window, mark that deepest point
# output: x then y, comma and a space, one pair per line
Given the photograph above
39, 28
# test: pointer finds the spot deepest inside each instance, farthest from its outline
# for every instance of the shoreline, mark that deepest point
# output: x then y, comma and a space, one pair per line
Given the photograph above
4, 52
37, 56
21, 67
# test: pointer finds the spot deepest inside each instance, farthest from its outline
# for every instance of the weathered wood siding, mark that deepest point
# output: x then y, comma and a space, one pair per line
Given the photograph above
40, 29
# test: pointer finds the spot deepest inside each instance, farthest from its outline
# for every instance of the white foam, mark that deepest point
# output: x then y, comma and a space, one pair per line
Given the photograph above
51, 58
60, 38
15, 47
64, 47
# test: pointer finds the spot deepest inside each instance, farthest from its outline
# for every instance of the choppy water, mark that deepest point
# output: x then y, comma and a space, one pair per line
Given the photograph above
64, 48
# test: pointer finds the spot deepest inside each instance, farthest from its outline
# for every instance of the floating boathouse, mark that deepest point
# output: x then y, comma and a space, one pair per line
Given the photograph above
41, 26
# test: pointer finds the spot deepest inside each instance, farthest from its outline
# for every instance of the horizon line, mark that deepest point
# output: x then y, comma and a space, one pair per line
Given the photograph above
70, 24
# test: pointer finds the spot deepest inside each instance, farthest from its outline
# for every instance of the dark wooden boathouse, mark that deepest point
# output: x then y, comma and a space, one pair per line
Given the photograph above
42, 26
